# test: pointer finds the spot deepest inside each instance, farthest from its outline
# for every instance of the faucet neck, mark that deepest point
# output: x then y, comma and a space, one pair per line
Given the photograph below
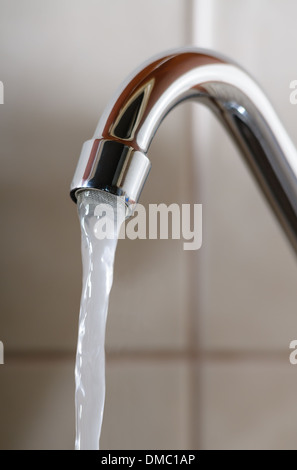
115, 160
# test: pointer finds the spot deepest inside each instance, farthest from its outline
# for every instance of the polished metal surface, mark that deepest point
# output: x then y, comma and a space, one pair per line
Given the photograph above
115, 159
111, 166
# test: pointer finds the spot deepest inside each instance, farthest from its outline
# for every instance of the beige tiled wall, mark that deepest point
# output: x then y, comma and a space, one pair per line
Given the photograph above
60, 61
245, 384
197, 343
248, 404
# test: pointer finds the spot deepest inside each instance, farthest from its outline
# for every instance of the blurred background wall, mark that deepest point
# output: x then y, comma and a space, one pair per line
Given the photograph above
197, 343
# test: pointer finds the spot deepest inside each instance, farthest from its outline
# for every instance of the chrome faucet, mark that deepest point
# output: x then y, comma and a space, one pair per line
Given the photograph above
115, 160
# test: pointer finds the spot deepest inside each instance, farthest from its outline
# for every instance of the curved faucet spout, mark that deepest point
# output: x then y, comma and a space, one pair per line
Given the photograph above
115, 159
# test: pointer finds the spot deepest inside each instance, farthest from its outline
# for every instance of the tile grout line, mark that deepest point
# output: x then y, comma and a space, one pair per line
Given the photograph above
216, 356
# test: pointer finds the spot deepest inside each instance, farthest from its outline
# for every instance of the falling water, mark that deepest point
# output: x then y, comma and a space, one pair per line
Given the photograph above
101, 215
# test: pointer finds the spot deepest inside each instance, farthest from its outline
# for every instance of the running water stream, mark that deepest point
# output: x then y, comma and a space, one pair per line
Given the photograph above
101, 215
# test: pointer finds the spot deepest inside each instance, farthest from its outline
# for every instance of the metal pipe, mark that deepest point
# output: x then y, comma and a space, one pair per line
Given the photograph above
115, 160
